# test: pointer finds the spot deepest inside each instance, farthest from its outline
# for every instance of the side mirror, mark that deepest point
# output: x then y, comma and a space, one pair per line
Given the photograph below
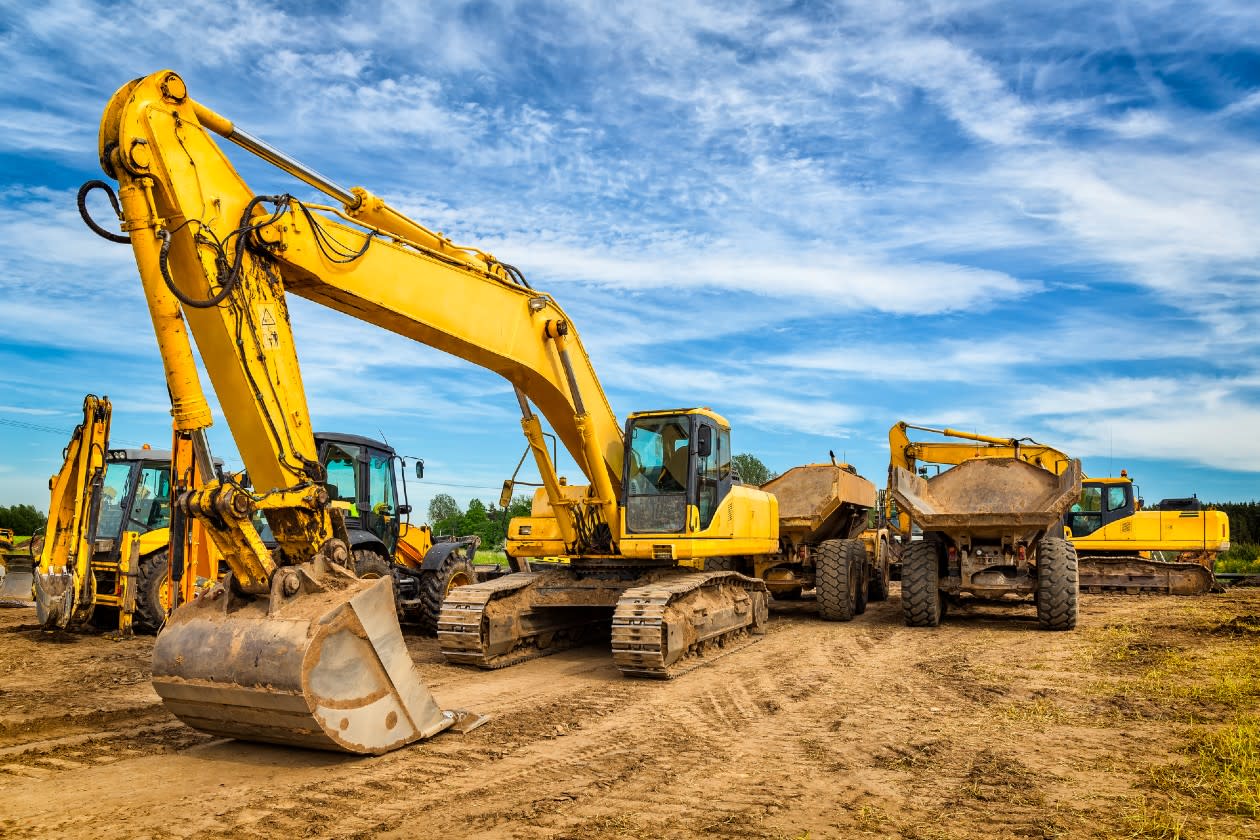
403, 510
419, 468
505, 497
704, 442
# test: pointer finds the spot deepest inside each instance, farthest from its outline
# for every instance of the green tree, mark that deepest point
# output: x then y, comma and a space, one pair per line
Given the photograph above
751, 470
477, 522
444, 515
24, 520
496, 534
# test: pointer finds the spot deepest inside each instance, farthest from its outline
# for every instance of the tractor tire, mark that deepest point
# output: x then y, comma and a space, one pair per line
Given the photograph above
838, 574
922, 602
456, 570
1058, 584
878, 589
153, 592
369, 565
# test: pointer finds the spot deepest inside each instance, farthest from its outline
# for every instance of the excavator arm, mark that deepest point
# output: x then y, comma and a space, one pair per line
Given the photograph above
63, 573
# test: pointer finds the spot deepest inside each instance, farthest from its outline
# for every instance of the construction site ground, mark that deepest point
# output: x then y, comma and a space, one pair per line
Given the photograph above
985, 727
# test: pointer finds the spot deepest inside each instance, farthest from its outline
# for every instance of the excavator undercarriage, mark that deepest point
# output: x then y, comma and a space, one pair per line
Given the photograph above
664, 623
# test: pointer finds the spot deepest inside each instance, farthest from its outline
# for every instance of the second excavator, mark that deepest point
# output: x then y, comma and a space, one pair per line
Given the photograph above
661, 496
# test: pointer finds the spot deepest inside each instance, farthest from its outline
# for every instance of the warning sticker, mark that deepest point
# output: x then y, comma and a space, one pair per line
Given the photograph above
268, 332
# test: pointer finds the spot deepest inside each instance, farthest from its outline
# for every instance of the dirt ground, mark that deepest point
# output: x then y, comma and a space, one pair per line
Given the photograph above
985, 727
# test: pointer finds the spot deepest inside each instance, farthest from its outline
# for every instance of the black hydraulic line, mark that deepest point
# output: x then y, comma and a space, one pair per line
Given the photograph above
87, 216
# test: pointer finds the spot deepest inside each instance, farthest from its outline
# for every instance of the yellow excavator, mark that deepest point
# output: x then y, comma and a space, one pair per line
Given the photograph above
1114, 536
292, 646
110, 555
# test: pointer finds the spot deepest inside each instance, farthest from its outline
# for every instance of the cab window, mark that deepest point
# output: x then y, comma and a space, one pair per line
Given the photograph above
708, 472
152, 506
340, 460
656, 475
114, 490
1085, 517
1117, 498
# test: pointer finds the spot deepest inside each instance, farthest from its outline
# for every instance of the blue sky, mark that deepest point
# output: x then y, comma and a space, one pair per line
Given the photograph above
1020, 219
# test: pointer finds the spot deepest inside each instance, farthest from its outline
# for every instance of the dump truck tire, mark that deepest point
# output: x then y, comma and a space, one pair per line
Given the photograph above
863, 582
370, 565
878, 590
1057, 584
837, 573
456, 570
922, 603
151, 583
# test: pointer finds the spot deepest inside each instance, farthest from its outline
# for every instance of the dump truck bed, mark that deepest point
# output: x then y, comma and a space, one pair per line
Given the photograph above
988, 497
821, 502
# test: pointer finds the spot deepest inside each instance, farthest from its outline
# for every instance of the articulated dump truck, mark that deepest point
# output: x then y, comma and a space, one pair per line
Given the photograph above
991, 532
822, 519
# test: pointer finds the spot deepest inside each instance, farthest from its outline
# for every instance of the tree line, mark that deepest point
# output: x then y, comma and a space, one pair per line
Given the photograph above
23, 520
490, 523
1244, 521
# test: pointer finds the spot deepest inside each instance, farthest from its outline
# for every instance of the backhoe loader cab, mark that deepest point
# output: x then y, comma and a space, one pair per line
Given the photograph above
363, 484
135, 495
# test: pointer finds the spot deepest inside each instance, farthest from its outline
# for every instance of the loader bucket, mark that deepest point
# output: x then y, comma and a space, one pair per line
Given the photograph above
15, 585
325, 667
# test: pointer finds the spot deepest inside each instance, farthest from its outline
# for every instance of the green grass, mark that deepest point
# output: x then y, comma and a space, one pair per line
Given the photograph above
1208, 678
487, 558
1241, 559
1223, 766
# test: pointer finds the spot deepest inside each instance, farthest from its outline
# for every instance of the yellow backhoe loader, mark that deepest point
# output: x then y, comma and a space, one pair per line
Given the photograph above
1115, 538
292, 646
109, 556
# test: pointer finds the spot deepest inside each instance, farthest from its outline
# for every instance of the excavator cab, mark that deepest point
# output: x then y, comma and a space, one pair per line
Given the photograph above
675, 461
1103, 501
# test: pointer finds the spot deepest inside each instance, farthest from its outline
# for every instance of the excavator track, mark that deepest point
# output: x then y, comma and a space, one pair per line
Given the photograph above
667, 628
493, 624
1139, 575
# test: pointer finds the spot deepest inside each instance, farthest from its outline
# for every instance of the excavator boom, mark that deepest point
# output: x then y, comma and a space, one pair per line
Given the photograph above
290, 646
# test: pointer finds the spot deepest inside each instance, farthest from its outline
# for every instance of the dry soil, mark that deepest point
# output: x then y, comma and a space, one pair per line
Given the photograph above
985, 727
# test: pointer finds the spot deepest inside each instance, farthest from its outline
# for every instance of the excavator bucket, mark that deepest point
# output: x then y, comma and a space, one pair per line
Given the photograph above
324, 667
